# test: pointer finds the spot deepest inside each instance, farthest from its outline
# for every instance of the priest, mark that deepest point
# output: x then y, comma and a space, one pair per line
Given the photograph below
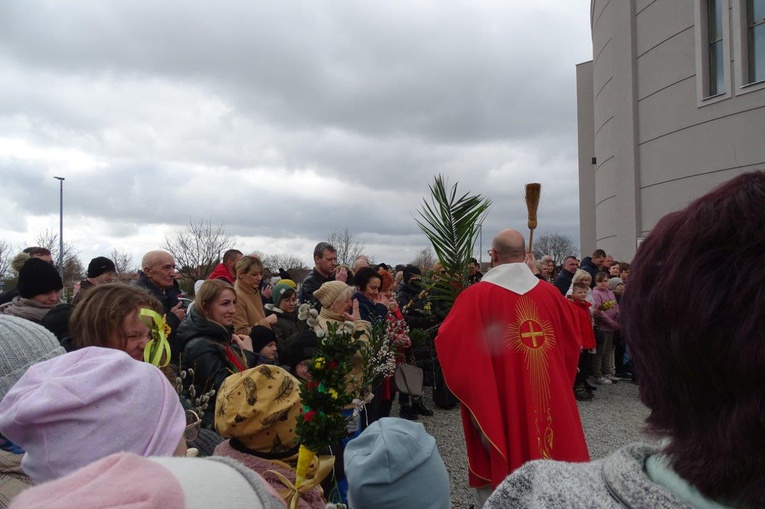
509, 350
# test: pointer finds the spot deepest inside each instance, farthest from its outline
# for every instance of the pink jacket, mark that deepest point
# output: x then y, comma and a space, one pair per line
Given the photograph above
607, 321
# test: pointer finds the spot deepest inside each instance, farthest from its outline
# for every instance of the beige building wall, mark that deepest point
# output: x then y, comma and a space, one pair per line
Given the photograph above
657, 139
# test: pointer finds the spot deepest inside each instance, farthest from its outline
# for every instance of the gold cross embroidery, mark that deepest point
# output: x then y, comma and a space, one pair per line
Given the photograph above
532, 334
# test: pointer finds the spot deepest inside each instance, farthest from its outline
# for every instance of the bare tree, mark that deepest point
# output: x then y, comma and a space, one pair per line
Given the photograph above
123, 262
198, 248
554, 244
6, 255
287, 262
424, 259
347, 245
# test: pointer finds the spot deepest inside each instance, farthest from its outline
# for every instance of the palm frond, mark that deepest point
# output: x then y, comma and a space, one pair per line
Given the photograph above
451, 222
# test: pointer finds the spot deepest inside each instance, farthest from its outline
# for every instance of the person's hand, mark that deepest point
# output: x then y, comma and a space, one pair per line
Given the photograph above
272, 319
266, 292
382, 299
354, 315
341, 274
532, 263
242, 341
179, 311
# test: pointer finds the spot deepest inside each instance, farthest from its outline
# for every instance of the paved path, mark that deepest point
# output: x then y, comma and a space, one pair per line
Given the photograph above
613, 419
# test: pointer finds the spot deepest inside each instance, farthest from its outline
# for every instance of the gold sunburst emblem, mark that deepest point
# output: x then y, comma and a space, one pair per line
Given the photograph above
534, 337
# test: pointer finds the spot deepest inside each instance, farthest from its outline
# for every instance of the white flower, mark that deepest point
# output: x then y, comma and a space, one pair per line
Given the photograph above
349, 327
312, 322
313, 313
321, 333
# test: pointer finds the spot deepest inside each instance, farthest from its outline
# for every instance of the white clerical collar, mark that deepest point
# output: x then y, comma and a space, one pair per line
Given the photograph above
516, 277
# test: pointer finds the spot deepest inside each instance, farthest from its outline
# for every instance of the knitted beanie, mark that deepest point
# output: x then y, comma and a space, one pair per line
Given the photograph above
259, 408
79, 407
23, 343
288, 282
100, 265
38, 277
394, 463
261, 336
409, 271
329, 292
614, 282
278, 292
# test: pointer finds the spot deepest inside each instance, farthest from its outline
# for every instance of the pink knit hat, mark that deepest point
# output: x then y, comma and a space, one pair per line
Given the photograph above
85, 405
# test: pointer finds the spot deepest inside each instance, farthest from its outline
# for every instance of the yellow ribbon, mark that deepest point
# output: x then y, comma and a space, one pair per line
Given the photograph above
158, 344
321, 467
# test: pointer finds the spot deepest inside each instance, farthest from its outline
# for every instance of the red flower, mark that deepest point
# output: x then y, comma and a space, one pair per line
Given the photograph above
332, 365
311, 384
308, 416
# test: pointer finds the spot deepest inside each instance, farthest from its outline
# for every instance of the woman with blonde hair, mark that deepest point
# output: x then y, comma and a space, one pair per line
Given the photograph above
211, 349
249, 305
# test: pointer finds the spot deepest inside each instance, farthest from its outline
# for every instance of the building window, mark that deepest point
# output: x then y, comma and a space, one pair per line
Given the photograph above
715, 47
755, 20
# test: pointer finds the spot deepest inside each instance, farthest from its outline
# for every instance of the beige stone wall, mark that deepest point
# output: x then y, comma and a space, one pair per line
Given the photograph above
658, 141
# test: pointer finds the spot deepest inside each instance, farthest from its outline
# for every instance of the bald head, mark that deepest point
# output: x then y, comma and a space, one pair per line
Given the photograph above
159, 266
509, 246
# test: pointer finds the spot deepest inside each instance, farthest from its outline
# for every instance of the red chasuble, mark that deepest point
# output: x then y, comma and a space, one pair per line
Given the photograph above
509, 349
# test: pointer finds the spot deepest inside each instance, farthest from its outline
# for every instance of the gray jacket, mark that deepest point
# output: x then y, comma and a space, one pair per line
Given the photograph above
617, 481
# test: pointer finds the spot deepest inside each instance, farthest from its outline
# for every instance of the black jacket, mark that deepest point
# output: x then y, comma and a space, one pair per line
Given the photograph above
563, 281
287, 325
311, 283
415, 315
169, 299
204, 350
590, 268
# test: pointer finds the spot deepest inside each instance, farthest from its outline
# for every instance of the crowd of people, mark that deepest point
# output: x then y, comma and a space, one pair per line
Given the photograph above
106, 400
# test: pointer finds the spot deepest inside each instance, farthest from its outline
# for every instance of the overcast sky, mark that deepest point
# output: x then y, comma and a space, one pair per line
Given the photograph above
284, 120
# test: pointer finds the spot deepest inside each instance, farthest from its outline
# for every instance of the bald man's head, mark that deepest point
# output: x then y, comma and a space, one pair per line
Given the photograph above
509, 246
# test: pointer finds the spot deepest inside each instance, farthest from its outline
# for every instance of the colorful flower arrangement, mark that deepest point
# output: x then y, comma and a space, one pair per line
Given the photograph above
321, 422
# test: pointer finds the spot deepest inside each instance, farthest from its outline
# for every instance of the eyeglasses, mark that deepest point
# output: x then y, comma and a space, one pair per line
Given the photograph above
193, 422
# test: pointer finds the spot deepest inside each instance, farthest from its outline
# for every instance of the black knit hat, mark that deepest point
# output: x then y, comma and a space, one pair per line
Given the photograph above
37, 277
409, 271
261, 336
304, 346
100, 265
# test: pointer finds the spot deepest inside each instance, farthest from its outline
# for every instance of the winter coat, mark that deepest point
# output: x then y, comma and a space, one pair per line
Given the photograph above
205, 345
221, 272
617, 481
169, 299
311, 283
249, 309
607, 321
415, 314
26, 308
591, 269
287, 325
563, 281
369, 310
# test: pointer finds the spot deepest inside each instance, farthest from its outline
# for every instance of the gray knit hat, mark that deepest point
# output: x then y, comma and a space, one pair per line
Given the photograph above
23, 343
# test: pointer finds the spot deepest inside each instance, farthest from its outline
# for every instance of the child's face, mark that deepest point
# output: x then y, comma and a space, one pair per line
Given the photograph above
619, 289
579, 294
301, 370
269, 351
602, 285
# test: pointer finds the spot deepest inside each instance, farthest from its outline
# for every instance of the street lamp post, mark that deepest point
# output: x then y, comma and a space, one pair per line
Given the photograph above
61, 227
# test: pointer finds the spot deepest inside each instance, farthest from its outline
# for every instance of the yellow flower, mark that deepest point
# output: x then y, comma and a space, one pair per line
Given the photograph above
319, 363
333, 393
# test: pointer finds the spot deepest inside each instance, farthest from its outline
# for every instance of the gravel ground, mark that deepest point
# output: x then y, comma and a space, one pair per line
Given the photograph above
612, 419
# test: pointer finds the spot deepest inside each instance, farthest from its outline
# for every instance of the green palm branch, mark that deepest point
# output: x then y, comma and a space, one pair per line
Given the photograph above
451, 223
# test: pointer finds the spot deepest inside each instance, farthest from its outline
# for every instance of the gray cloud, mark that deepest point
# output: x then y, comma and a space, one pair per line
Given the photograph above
287, 120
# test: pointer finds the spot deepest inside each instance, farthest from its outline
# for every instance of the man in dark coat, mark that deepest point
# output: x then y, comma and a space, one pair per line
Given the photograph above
158, 277
325, 260
592, 264
563, 281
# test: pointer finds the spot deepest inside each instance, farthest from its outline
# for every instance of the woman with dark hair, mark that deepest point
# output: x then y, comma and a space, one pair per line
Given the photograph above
702, 369
373, 305
211, 349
